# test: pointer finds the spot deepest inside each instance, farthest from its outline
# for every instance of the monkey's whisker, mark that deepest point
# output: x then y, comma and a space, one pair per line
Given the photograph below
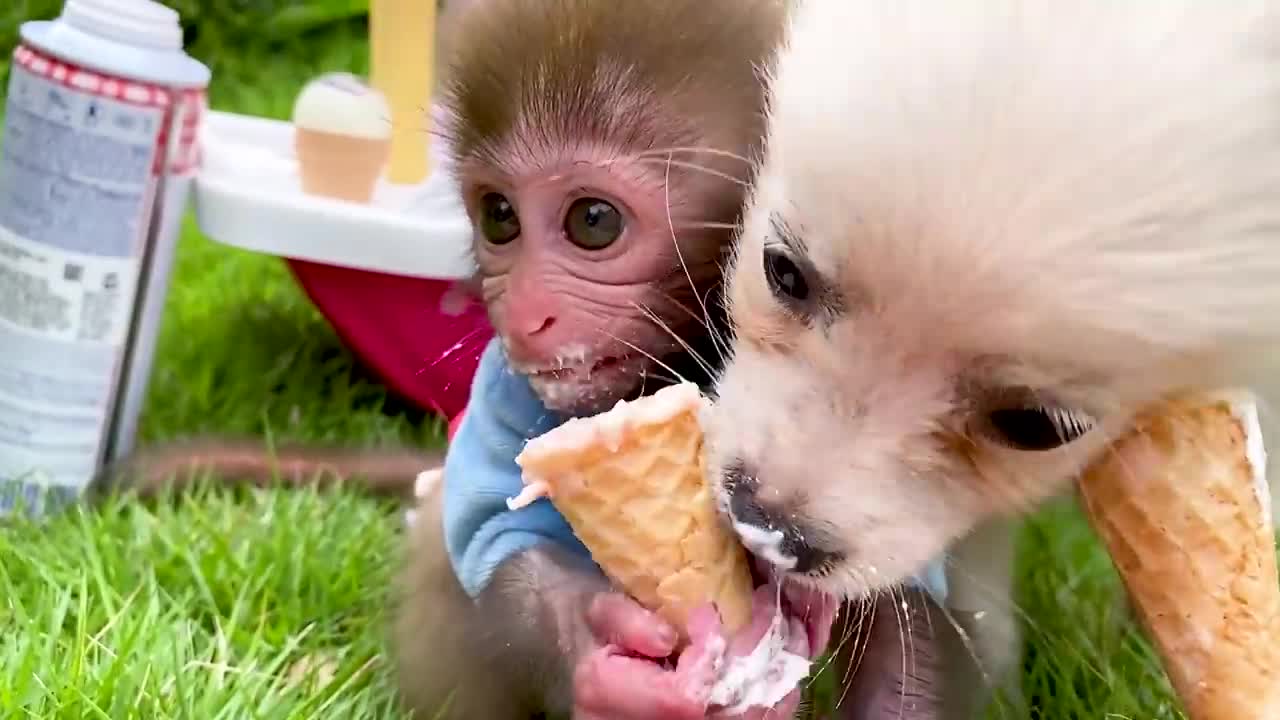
713, 332
694, 149
718, 341
666, 188
646, 354
700, 168
693, 354
707, 226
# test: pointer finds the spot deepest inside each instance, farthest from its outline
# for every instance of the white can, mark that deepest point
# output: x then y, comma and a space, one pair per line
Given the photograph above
99, 149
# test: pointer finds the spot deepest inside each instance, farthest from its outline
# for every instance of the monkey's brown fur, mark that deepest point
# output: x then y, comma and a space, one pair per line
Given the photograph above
633, 76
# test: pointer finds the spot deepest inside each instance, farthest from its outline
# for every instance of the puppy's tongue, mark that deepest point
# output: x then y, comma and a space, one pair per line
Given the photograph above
816, 609
768, 672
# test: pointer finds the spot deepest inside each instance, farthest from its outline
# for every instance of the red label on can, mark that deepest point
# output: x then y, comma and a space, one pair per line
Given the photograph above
189, 107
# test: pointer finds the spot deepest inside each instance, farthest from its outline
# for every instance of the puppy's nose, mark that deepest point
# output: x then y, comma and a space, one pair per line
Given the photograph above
767, 531
744, 505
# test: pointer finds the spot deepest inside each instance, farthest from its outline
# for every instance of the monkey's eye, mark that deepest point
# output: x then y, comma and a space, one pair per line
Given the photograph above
1036, 428
785, 277
498, 220
593, 224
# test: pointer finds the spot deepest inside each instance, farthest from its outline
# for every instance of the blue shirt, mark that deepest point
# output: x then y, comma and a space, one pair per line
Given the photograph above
480, 473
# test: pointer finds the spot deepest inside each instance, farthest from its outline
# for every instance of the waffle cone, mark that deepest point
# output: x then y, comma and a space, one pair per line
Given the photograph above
631, 484
339, 166
1181, 503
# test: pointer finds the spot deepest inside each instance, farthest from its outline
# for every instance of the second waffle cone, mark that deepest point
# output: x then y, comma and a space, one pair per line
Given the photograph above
1182, 507
631, 483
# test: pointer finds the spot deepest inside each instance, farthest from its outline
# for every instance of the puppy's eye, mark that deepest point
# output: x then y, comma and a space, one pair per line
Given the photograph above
784, 276
1036, 428
498, 220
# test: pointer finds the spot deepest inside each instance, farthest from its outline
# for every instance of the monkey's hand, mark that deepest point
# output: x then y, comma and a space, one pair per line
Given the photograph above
621, 673
624, 677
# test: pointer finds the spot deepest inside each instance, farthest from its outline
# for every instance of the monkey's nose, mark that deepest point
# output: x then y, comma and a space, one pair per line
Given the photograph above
768, 531
537, 324
529, 337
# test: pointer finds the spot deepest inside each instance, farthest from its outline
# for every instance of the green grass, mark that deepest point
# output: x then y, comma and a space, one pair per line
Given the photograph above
209, 607
203, 608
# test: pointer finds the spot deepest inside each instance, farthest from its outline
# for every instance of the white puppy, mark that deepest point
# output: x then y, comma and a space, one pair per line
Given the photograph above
984, 234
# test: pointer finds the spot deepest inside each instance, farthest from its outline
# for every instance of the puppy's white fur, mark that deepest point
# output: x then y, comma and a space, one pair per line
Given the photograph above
1078, 201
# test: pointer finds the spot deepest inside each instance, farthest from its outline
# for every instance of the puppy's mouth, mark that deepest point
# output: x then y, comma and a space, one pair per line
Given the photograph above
814, 608
775, 561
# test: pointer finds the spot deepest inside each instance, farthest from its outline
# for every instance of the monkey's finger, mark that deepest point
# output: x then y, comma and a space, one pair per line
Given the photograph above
617, 619
697, 664
611, 685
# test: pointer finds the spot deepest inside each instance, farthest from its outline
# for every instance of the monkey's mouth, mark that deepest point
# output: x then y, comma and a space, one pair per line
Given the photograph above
584, 370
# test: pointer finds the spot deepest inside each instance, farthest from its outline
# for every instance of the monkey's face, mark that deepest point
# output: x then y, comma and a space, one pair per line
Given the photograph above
601, 149
952, 289
585, 281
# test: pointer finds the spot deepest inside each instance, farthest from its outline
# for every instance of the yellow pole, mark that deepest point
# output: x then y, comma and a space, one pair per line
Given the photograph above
377, 45
401, 56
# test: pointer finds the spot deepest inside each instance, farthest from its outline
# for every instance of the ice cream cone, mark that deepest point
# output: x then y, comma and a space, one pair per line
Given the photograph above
339, 166
631, 484
342, 137
1182, 504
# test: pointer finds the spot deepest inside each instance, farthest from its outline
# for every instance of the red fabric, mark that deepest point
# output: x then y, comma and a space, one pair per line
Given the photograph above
423, 337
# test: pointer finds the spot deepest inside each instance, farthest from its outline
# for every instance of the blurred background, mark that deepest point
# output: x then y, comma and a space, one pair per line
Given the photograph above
258, 336
230, 604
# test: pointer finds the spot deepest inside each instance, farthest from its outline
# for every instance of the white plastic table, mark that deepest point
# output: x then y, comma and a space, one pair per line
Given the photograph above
248, 194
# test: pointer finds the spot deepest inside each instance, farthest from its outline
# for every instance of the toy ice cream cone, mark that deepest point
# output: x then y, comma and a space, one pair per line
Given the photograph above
1183, 506
631, 484
342, 136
